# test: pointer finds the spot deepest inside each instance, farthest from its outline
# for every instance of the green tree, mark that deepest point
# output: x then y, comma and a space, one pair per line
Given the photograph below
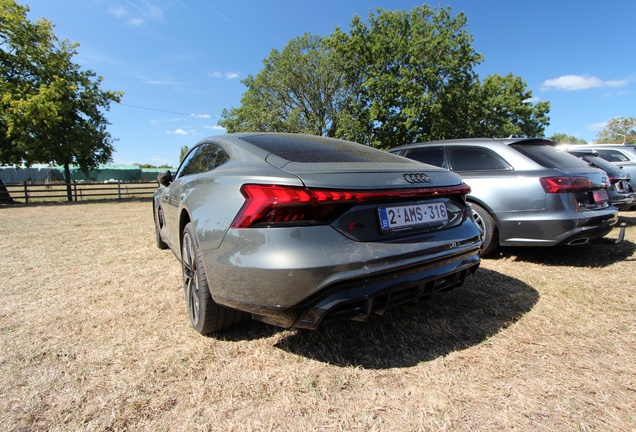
501, 107
298, 90
152, 166
184, 153
562, 138
401, 78
52, 110
618, 130
412, 74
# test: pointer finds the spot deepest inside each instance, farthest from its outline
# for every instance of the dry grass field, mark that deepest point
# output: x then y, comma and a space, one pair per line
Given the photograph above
94, 335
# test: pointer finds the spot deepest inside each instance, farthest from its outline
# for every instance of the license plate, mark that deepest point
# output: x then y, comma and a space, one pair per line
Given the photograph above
397, 217
601, 196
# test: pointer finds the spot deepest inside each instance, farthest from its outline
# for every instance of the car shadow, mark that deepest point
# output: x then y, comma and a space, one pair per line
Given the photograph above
407, 335
601, 253
628, 218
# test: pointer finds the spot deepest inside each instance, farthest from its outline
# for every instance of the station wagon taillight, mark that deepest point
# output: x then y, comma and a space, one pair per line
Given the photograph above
274, 205
616, 179
565, 184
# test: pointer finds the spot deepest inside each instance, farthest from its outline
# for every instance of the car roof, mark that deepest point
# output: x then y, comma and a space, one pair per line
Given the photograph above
487, 141
597, 145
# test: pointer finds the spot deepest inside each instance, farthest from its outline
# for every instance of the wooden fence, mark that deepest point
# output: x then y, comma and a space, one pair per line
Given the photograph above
40, 192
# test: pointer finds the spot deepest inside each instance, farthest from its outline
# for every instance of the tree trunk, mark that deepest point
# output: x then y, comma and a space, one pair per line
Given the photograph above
5, 198
67, 174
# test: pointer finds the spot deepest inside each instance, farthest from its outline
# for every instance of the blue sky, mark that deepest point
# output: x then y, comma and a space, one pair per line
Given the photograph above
180, 62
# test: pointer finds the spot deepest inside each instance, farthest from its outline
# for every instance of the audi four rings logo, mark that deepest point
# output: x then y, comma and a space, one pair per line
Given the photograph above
417, 178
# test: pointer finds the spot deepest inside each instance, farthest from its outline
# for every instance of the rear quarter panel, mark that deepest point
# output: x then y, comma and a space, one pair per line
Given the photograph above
506, 191
214, 199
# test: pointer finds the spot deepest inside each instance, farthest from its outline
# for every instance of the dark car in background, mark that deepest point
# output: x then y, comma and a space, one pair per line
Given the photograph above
298, 230
620, 193
622, 155
525, 192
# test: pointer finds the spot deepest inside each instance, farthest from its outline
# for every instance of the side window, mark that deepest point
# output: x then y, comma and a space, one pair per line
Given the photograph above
186, 162
475, 159
205, 158
612, 155
430, 155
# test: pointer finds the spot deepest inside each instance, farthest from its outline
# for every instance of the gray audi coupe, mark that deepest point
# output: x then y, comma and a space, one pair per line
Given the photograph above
298, 230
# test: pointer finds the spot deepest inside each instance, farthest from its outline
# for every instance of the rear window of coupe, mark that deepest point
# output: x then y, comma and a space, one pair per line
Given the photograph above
316, 149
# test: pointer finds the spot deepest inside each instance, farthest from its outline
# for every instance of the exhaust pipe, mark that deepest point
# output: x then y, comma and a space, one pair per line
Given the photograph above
621, 234
579, 241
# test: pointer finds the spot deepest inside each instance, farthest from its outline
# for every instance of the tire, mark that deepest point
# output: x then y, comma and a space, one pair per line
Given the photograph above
206, 316
160, 243
486, 225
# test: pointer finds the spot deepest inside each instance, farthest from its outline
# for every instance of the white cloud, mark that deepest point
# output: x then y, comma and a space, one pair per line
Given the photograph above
139, 14
153, 11
615, 83
178, 132
200, 115
228, 75
578, 82
135, 22
118, 12
533, 99
155, 81
597, 126
215, 127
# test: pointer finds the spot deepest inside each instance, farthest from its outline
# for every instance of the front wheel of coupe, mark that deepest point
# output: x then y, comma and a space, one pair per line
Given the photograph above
205, 315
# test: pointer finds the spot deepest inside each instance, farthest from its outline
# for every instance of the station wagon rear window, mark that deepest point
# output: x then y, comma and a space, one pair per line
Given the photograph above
316, 149
549, 157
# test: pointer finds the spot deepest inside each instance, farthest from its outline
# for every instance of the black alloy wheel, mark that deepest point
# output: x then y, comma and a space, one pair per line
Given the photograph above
206, 316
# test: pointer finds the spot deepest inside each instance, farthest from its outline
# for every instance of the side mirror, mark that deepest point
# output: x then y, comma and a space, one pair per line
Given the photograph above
164, 178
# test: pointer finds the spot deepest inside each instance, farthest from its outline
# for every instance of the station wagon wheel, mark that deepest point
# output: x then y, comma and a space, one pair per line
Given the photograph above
206, 316
486, 225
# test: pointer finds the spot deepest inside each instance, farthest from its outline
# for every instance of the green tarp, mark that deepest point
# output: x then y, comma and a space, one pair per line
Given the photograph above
41, 173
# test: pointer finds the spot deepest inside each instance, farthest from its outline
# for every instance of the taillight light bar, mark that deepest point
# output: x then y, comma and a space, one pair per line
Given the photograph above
565, 184
616, 179
275, 205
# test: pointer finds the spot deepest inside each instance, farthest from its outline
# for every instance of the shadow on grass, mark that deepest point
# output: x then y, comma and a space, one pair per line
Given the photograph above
410, 334
629, 218
592, 255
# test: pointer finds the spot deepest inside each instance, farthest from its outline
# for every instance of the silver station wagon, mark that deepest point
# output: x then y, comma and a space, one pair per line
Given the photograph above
298, 230
622, 155
525, 192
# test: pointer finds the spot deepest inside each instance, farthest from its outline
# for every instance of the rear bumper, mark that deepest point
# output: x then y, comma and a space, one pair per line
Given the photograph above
357, 299
303, 276
622, 201
548, 230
